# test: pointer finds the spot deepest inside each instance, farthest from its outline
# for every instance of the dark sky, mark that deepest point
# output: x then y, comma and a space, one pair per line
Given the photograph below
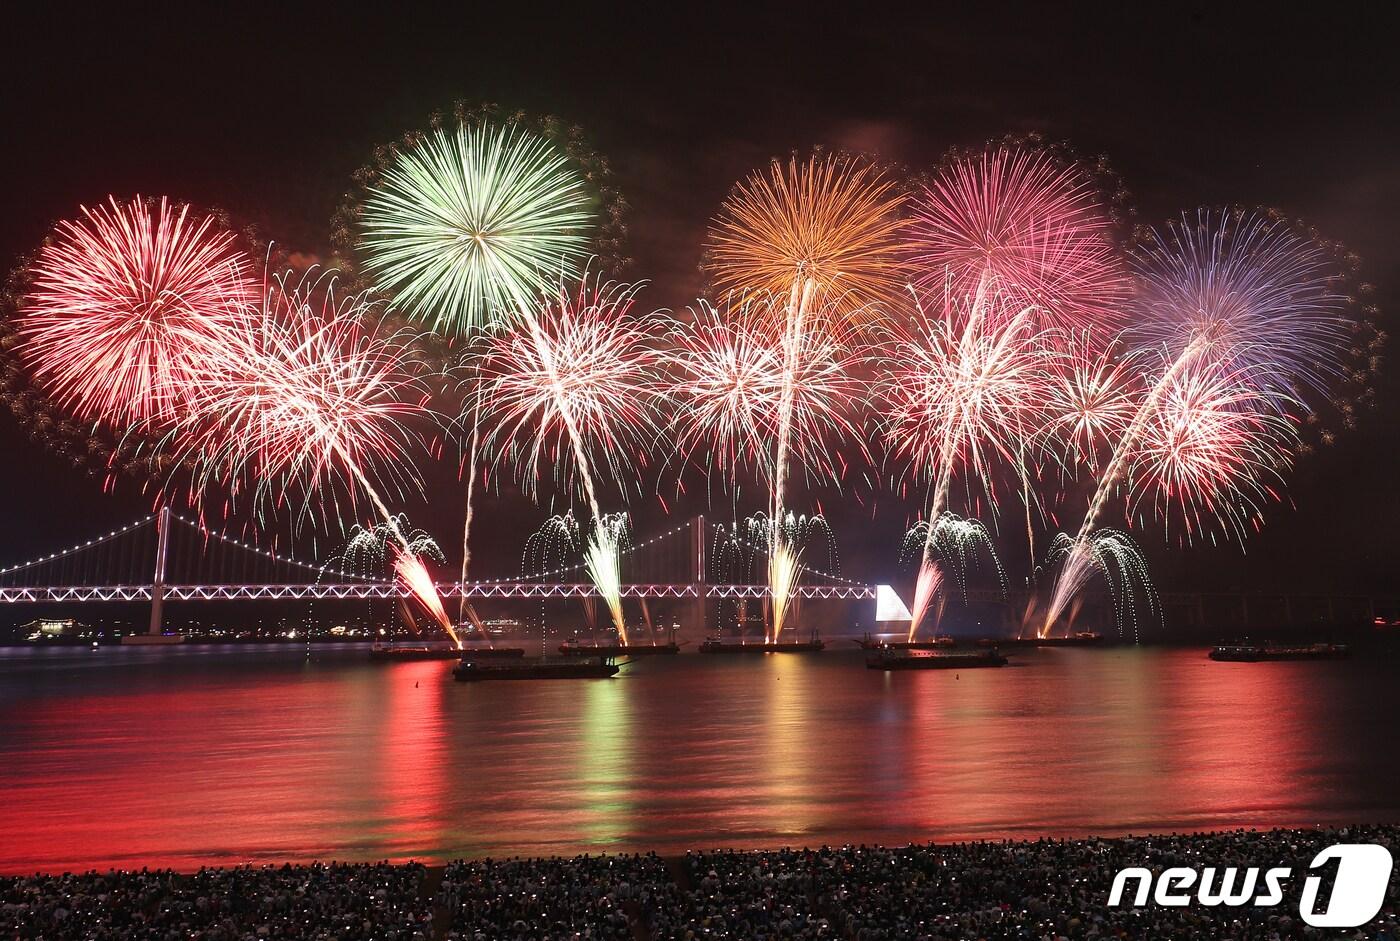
266, 114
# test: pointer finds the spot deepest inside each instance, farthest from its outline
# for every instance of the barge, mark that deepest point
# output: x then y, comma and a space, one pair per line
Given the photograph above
396, 653
1254, 653
470, 671
931, 660
722, 645
576, 648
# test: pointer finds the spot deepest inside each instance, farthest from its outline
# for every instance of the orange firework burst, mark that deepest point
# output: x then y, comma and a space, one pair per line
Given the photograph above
831, 221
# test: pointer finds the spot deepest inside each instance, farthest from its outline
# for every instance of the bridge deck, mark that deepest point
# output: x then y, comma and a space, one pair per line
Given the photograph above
368, 590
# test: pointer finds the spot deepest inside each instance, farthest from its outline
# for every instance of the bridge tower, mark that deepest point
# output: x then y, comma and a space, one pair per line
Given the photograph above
158, 577
697, 574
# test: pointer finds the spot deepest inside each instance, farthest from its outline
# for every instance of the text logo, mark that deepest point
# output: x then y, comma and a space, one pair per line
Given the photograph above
1358, 891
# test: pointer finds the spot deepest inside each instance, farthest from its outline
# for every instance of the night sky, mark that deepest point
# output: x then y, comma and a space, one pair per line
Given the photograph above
266, 114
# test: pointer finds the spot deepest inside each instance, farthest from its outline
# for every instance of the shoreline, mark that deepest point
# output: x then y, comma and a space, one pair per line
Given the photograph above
940, 891
438, 862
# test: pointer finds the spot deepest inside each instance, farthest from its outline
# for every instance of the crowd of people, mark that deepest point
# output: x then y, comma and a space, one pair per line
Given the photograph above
1043, 890
266, 903
586, 897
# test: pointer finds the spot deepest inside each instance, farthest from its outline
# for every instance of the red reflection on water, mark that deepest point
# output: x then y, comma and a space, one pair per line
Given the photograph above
412, 767
1253, 741
218, 757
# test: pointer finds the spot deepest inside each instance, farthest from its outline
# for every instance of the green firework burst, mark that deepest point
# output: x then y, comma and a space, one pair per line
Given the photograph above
471, 221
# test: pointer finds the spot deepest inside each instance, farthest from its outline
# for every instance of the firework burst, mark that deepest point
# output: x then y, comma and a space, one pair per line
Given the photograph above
1213, 452
573, 388
1032, 221
1090, 397
301, 396
124, 305
830, 223
1245, 290
472, 221
963, 388
729, 369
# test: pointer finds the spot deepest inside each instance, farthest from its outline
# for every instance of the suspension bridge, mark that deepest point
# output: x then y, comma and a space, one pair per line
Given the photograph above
168, 557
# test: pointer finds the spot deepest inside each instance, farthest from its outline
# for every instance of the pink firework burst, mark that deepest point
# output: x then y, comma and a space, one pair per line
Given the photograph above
305, 395
1032, 221
123, 305
572, 387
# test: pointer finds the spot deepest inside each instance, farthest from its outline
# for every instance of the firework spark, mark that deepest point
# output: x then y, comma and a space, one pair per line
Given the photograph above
831, 222
964, 390
469, 222
1029, 220
573, 389
302, 397
124, 304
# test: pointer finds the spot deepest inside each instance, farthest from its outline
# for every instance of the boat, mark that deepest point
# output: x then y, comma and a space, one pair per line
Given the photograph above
574, 668
1245, 652
933, 660
871, 642
395, 653
573, 647
1079, 639
716, 644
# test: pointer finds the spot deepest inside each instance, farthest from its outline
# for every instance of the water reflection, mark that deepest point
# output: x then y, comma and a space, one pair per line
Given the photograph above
183, 757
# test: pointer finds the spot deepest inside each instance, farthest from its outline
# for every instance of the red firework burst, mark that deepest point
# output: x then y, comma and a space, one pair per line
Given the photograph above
1032, 221
124, 304
964, 387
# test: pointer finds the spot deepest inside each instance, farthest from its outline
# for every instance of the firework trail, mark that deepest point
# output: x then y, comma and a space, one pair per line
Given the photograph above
578, 376
947, 546
1031, 220
783, 543
414, 576
559, 540
964, 388
300, 396
1224, 298
123, 305
1116, 557
405, 547
602, 558
822, 232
